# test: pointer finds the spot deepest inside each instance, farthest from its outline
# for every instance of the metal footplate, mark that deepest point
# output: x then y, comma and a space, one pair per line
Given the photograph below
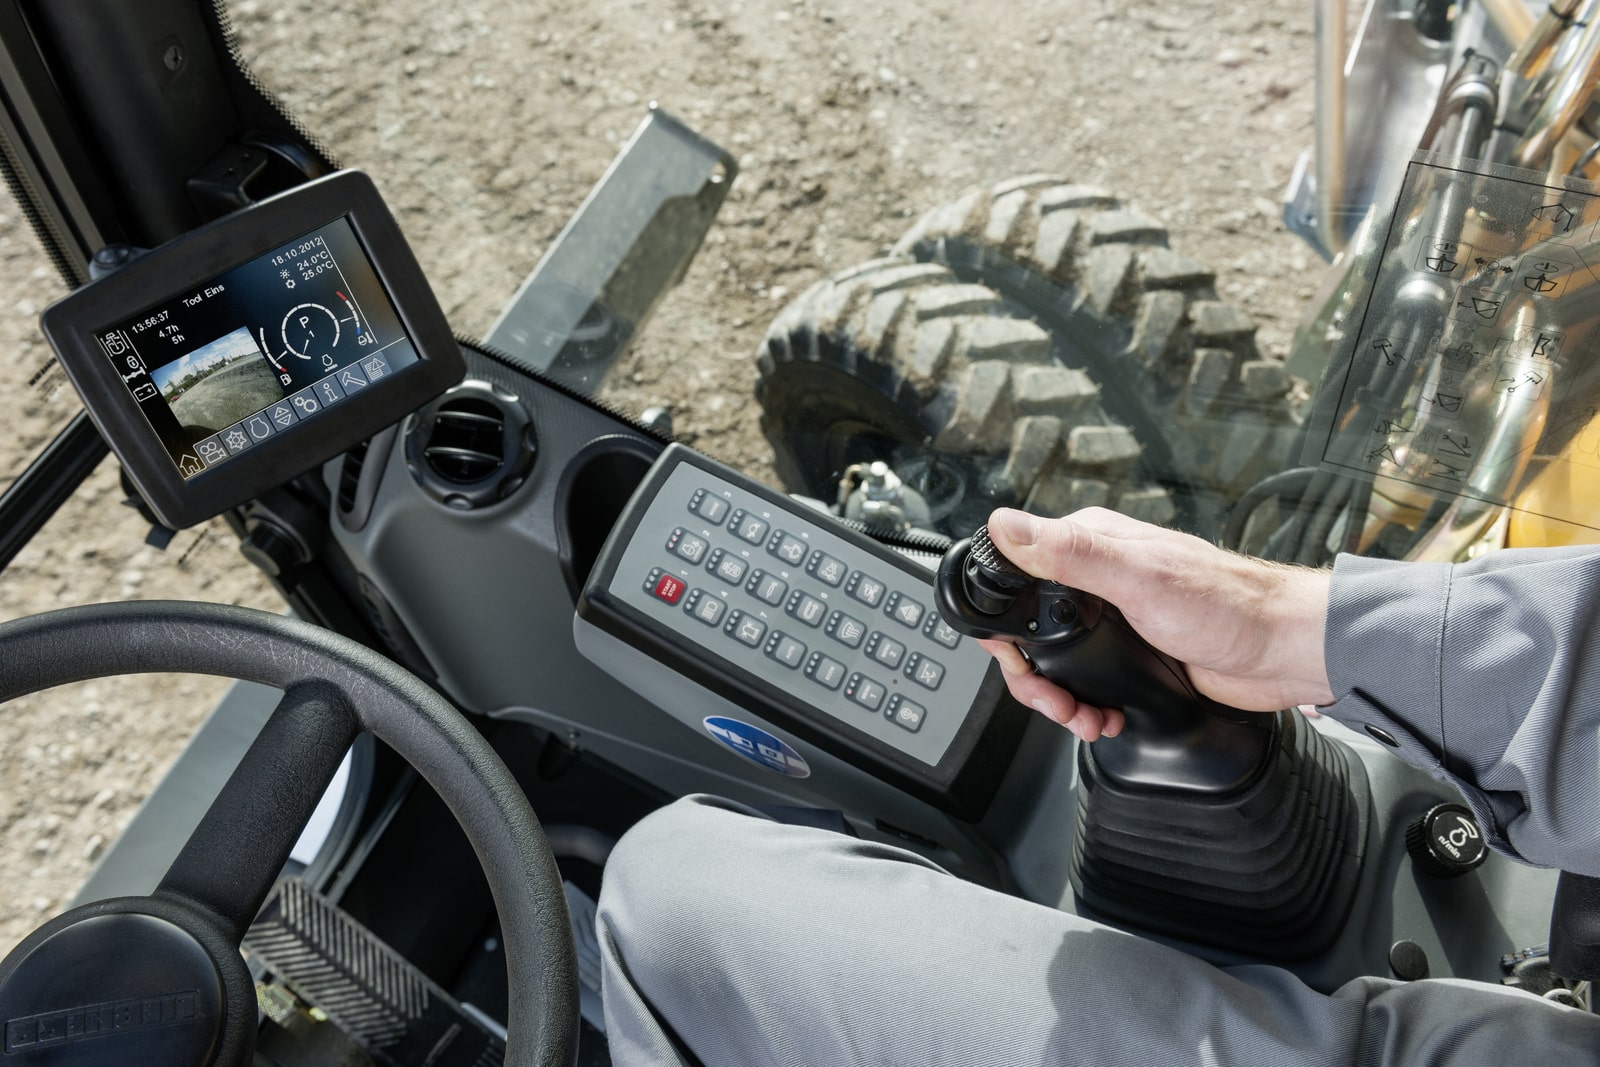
392, 1010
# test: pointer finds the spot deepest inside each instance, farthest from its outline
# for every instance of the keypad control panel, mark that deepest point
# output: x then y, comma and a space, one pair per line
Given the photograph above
790, 599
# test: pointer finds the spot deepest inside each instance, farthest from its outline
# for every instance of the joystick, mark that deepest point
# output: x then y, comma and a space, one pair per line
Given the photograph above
1176, 739
1232, 828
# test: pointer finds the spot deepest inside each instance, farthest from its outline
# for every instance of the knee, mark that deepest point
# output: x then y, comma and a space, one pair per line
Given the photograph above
668, 872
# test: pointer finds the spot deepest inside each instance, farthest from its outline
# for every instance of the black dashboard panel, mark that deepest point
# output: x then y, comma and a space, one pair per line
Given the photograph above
254, 348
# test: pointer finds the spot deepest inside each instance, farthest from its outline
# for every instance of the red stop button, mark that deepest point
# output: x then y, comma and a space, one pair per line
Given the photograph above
668, 588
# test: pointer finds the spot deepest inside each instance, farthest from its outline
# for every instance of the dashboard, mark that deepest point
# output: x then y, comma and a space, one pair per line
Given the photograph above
623, 597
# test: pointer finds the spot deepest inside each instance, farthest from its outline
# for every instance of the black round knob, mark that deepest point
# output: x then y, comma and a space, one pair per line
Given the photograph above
991, 582
113, 256
1408, 961
272, 548
1446, 841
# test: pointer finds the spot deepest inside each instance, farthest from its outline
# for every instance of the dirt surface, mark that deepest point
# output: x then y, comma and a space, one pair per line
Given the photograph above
486, 123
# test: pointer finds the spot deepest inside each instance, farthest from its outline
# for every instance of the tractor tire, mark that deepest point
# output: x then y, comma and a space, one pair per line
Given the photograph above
904, 362
1173, 363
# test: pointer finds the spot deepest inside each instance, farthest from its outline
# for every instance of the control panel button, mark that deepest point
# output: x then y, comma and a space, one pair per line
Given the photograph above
727, 566
905, 713
826, 672
746, 629
903, 609
824, 568
709, 506
940, 631
787, 547
707, 607
664, 586
688, 545
924, 671
865, 691
807, 608
885, 649
748, 527
786, 650
846, 630
866, 589
1064, 613
768, 587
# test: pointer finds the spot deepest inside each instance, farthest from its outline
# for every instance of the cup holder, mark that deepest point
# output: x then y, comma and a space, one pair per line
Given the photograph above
593, 491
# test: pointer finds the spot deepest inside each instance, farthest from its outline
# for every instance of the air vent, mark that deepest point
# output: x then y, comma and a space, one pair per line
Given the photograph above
468, 442
350, 476
360, 476
471, 447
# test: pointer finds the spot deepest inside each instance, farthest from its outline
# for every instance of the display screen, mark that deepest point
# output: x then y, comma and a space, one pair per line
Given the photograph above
256, 350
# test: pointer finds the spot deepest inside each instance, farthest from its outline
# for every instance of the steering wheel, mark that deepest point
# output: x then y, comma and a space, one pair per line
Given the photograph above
159, 979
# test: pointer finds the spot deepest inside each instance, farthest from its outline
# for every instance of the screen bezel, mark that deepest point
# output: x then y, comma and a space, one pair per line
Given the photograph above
72, 326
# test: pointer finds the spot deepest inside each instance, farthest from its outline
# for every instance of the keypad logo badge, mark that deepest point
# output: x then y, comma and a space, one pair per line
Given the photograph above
757, 746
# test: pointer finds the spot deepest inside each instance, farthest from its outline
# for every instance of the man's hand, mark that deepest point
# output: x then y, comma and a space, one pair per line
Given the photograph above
1249, 632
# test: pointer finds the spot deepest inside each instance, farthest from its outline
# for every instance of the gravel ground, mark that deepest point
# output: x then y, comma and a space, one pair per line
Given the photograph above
486, 123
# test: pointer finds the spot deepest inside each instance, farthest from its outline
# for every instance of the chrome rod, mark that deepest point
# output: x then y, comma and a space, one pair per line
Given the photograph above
1535, 38
1330, 26
1512, 18
1568, 96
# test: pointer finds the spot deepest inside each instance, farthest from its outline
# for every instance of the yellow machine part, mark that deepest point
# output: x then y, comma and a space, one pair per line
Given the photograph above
1568, 486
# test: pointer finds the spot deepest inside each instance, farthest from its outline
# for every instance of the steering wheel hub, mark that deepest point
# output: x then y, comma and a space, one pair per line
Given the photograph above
113, 983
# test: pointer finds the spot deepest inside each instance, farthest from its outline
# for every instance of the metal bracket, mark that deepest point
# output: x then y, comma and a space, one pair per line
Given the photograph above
631, 240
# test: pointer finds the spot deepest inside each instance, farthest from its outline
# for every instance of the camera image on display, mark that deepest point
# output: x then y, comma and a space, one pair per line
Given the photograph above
245, 356
218, 385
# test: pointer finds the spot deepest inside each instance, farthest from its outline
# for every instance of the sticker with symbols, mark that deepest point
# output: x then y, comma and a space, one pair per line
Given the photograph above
1467, 329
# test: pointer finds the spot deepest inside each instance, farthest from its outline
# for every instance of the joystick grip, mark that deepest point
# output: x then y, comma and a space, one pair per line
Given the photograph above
1176, 738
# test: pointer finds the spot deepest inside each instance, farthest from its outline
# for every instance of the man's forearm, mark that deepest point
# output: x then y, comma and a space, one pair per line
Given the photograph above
1486, 674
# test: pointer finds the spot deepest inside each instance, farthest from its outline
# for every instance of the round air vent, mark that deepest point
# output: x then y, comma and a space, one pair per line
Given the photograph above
471, 447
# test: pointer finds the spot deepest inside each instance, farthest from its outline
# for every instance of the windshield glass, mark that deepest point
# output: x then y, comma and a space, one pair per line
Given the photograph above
958, 249
486, 125
1040, 260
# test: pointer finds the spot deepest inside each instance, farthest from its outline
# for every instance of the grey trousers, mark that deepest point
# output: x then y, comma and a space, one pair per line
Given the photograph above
731, 939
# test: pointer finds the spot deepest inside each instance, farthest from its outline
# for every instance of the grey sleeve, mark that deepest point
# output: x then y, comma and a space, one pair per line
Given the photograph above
1487, 675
